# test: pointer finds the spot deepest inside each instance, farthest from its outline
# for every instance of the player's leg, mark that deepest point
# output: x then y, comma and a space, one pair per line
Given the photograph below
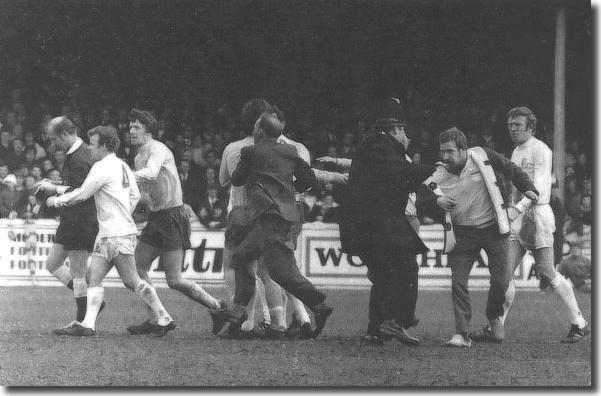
78, 265
249, 322
99, 267
172, 263
515, 254
144, 255
228, 272
281, 264
127, 271
501, 272
544, 258
274, 296
55, 264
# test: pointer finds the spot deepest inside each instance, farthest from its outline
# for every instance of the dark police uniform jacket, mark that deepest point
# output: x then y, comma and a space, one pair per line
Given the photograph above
372, 213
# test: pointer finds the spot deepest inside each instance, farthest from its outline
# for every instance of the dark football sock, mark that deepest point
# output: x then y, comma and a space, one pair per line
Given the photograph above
82, 303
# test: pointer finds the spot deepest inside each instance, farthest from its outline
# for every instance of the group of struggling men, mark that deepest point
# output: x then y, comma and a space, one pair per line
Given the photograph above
268, 174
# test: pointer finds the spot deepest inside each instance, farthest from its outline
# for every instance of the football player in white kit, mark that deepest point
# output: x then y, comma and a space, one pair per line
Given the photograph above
533, 223
114, 188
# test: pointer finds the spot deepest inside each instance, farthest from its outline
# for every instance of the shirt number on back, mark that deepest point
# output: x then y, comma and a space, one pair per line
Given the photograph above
125, 178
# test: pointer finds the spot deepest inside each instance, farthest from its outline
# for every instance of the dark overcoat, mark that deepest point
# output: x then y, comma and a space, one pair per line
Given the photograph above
372, 212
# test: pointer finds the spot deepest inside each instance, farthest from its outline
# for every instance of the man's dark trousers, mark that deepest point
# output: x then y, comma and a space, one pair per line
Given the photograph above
394, 276
267, 239
470, 240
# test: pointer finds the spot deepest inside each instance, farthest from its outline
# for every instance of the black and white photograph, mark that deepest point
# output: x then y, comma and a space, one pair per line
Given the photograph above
297, 195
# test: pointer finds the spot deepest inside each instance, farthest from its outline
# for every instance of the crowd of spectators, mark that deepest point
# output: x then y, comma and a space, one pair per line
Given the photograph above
197, 141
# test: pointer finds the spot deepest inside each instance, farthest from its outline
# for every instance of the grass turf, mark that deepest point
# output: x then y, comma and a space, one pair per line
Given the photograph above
191, 356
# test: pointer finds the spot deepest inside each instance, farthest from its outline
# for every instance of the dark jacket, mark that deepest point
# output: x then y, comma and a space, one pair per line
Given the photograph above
267, 169
372, 213
76, 168
506, 173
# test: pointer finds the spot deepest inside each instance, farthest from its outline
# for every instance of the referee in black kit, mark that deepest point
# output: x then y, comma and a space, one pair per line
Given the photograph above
374, 227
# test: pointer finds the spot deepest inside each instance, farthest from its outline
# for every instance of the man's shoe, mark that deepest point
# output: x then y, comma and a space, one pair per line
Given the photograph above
392, 329
234, 327
276, 333
321, 311
371, 340
63, 331
261, 330
576, 334
458, 341
306, 331
160, 330
485, 335
77, 330
143, 328
299, 331
218, 317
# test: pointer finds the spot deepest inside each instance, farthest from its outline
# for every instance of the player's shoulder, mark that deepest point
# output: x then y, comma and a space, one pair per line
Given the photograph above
540, 145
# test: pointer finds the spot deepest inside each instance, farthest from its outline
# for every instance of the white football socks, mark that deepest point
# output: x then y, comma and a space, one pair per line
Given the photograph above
509, 297
563, 289
298, 308
149, 295
95, 297
198, 294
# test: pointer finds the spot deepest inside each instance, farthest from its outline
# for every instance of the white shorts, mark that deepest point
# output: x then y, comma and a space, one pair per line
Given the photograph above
110, 247
535, 228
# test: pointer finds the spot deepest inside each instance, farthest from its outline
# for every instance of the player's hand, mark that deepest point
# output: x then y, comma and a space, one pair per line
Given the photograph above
343, 178
446, 203
326, 159
44, 185
512, 213
51, 202
532, 195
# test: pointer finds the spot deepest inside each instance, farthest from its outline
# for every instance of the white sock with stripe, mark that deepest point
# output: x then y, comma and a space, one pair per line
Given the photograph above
563, 289
149, 295
95, 297
299, 309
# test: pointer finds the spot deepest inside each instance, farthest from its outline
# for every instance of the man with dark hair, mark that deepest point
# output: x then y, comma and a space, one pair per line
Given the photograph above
373, 226
116, 194
472, 181
533, 223
267, 170
78, 225
167, 233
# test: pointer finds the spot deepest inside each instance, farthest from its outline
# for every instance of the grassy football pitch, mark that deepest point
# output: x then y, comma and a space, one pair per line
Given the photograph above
191, 356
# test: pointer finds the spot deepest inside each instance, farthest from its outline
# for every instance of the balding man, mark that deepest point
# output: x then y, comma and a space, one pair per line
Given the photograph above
78, 224
267, 170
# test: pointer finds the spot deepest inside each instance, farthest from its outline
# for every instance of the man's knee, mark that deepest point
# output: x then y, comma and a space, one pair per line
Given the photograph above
176, 284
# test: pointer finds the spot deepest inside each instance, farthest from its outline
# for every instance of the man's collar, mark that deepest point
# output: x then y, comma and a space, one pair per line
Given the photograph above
75, 146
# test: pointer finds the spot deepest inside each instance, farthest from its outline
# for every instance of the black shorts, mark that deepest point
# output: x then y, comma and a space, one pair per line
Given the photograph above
79, 235
167, 230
